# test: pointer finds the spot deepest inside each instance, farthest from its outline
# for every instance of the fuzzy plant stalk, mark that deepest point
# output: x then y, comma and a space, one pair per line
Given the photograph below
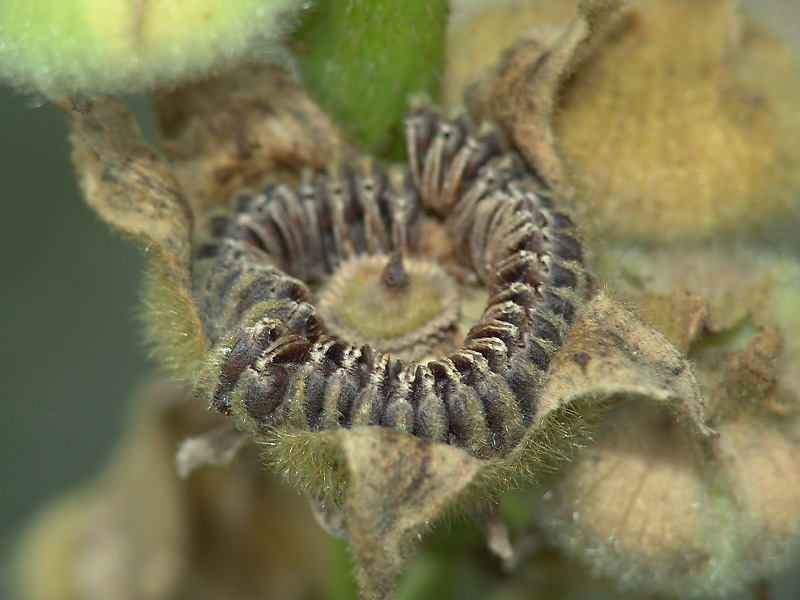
361, 60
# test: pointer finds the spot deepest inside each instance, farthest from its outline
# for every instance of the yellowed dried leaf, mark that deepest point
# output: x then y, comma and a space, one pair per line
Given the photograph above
521, 91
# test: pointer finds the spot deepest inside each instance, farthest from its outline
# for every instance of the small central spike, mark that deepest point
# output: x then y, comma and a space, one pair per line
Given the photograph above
395, 274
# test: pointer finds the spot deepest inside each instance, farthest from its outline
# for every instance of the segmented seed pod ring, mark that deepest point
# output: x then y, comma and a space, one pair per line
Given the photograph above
337, 303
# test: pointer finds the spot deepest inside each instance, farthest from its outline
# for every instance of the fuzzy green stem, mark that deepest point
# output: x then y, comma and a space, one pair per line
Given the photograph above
361, 60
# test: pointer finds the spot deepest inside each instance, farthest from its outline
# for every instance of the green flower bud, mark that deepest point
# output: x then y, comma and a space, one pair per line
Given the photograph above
84, 48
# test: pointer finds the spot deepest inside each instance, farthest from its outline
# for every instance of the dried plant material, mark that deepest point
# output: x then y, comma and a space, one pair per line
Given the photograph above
128, 535
611, 353
255, 537
683, 123
680, 316
141, 532
521, 92
637, 507
693, 275
679, 121
760, 456
745, 334
381, 490
498, 539
784, 307
226, 133
329, 516
660, 510
607, 355
479, 32
308, 395
397, 486
132, 189
657, 506
43, 567
217, 448
748, 373
502, 406
748, 292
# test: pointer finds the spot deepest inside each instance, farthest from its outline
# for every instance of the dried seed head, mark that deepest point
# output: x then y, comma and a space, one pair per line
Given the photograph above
318, 300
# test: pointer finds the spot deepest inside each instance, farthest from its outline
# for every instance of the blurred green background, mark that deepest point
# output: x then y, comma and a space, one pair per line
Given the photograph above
70, 353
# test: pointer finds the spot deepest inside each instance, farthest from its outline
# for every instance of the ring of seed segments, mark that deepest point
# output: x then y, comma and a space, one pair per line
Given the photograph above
337, 303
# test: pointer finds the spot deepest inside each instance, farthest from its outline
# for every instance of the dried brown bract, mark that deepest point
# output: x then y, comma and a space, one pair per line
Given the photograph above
228, 132
134, 190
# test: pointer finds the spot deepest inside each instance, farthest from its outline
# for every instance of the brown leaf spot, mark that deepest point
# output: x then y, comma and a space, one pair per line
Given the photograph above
582, 359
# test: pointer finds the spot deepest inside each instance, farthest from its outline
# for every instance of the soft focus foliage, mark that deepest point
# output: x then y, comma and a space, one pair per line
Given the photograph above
84, 48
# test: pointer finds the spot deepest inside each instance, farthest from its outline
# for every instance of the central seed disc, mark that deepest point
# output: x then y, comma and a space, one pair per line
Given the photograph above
406, 306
